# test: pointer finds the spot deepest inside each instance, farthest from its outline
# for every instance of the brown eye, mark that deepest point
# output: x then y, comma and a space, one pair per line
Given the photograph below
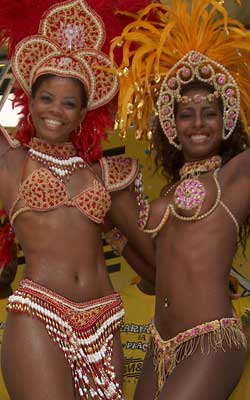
211, 114
45, 99
70, 104
184, 115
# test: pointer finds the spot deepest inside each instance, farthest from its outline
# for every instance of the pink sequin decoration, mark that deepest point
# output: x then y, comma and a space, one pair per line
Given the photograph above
229, 92
222, 80
185, 72
195, 57
166, 110
170, 132
172, 83
189, 194
205, 70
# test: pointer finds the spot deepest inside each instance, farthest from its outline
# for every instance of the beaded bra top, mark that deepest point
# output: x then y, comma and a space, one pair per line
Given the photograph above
42, 191
189, 194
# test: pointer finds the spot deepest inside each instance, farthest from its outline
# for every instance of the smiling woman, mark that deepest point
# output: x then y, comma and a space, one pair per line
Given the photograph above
58, 105
184, 82
199, 123
58, 192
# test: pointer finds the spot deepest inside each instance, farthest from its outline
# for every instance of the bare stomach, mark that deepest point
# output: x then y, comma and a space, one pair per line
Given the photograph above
79, 280
191, 306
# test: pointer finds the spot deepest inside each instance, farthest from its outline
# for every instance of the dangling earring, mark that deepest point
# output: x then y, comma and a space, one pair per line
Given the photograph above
78, 130
29, 120
31, 125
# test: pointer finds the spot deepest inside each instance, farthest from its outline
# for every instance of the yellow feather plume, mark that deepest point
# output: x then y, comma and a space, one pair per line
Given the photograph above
159, 37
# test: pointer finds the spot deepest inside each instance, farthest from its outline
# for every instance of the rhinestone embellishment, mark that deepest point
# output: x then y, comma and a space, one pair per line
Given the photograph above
189, 194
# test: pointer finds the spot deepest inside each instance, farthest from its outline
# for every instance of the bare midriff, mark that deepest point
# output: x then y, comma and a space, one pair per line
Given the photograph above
193, 263
63, 252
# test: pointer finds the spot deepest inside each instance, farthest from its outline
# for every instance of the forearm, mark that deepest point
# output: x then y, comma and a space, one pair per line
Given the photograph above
142, 268
122, 247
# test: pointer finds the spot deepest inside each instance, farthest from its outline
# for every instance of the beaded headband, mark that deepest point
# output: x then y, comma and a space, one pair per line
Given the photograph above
68, 44
168, 46
195, 65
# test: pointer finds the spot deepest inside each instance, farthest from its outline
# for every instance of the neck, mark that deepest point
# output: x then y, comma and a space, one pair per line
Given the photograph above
200, 166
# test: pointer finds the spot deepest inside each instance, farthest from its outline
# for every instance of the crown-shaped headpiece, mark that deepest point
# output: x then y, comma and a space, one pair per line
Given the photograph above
68, 44
196, 66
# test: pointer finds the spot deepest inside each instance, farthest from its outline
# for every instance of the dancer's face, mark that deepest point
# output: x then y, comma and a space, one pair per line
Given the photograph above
199, 126
56, 108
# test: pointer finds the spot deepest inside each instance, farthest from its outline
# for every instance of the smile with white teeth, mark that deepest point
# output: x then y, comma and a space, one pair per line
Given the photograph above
53, 122
198, 138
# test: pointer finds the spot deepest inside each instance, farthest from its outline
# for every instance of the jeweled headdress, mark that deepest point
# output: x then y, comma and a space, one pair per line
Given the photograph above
68, 43
67, 38
165, 48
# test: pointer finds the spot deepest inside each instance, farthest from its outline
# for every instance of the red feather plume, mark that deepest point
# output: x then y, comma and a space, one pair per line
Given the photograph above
20, 18
6, 245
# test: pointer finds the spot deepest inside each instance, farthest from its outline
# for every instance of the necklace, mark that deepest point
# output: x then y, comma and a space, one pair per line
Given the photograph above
198, 167
190, 193
61, 159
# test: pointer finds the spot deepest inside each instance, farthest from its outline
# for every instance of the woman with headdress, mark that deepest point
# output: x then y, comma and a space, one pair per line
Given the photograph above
57, 194
185, 83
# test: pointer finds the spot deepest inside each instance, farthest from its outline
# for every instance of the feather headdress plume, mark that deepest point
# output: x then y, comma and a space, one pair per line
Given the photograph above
20, 19
167, 46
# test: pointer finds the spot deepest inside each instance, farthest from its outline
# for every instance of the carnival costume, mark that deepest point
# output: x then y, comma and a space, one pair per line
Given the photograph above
71, 41
84, 332
210, 336
164, 49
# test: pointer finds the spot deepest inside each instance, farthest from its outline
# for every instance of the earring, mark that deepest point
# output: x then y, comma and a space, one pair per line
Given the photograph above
78, 130
29, 120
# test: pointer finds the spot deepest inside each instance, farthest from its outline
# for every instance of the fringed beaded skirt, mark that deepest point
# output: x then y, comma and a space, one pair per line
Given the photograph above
209, 336
83, 331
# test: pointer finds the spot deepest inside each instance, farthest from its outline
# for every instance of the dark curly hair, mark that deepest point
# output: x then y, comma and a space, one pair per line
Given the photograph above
169, 159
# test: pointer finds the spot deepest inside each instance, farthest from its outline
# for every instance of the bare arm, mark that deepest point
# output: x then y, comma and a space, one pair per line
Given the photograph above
122, 247
133, 258
139, 252
6, 141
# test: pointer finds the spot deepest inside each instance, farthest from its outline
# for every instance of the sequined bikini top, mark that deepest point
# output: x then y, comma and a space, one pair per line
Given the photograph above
42, 191
144, 208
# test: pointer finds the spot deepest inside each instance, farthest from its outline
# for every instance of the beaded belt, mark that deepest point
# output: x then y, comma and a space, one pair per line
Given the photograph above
83, 331
212, 335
